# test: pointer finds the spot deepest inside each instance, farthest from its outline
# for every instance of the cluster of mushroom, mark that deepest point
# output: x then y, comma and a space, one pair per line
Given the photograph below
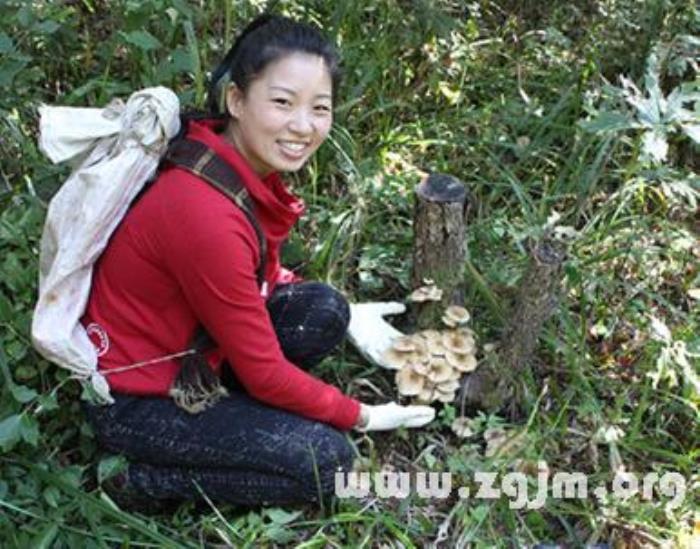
431, 362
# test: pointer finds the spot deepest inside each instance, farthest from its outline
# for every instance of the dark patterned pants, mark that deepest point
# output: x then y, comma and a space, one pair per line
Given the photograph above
239, 450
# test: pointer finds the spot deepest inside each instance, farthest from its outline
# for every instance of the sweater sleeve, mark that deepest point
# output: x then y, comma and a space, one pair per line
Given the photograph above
214, 261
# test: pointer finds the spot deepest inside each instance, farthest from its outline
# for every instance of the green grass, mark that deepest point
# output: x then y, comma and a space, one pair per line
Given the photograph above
494, 96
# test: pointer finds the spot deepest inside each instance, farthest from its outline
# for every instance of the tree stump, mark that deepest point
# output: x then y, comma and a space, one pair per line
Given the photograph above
439, 243
499, 381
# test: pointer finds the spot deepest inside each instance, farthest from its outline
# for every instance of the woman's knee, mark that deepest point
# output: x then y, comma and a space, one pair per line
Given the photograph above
310, 318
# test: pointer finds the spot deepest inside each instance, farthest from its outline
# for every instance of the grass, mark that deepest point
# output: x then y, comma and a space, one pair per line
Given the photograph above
491, 92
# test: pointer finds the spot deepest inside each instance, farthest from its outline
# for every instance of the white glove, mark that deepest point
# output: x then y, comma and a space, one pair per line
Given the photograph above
370, 333
392, 416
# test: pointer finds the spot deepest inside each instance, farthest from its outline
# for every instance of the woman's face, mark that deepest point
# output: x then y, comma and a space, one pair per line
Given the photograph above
285, 114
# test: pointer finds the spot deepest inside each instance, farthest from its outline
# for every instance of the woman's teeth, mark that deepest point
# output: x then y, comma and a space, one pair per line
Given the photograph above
296, 147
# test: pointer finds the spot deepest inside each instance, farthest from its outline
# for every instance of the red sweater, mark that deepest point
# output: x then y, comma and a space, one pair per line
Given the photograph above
184, 254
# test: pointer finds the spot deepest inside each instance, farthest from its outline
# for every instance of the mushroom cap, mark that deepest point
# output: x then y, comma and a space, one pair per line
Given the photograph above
426, 293
421, 368
445, 397
437, 348
461, 363
404, 344
458, 315
447, 321
458, 342
428, 393
409, 382
395, 359
440, 370
448, 386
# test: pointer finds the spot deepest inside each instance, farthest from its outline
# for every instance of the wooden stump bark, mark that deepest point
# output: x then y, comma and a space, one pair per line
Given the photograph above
498, 381
439, 247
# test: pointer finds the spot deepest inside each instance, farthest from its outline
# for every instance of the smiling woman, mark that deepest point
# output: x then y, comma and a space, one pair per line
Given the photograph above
194, 305
285, 115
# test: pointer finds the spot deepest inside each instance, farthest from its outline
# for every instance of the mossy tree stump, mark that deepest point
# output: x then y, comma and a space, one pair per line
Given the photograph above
439, 247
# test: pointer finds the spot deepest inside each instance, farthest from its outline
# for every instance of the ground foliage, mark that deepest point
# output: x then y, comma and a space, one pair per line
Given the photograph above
521, 100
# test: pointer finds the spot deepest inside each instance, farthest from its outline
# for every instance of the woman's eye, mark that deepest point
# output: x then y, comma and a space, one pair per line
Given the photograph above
281, 101
322, 108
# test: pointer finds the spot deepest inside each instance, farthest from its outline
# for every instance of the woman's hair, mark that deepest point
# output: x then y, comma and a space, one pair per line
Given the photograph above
266, 39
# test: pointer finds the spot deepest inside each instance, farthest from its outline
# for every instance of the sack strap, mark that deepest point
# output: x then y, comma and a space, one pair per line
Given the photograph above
202, 161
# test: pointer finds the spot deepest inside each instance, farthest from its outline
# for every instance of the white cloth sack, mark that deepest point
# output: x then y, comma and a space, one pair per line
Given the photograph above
116, 150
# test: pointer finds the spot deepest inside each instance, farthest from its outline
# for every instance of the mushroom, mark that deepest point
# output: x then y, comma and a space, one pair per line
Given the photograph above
421, 368
449, 386
461, 362
448, 322
440, 370
431, 362
458, 343
456, 314
404, 344
409, 382
426, 293
395, 359
445, 397
427, 394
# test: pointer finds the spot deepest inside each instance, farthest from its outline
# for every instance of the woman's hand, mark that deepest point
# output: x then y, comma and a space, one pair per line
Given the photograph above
385, 417
370, 334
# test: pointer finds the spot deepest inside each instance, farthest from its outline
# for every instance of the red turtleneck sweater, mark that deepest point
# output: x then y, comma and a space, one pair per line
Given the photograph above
185, 254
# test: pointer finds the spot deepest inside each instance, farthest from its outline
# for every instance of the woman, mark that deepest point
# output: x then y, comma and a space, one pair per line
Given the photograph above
185, 256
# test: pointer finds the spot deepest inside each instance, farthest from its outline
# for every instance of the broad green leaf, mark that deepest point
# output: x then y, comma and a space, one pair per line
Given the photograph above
48, 402
608, 122
25, 372
648, 111
23, 394
142, 39
110, 466
656, 102
51, 496
279, 533
10, 429
692, 131
46, 27
71, 476
9, 69
280, 516
7, 45
182, 61
654, 146
29, 430
25, 16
